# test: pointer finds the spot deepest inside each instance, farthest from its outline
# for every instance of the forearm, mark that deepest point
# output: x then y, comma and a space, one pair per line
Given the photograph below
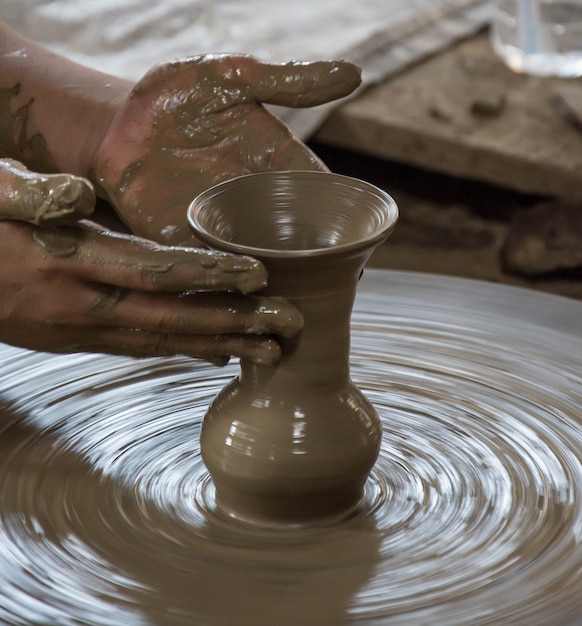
53, 112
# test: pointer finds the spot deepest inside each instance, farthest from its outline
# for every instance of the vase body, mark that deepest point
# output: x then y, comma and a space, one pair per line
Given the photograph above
296, 442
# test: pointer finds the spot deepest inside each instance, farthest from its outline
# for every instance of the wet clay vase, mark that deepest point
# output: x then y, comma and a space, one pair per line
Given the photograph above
295, 442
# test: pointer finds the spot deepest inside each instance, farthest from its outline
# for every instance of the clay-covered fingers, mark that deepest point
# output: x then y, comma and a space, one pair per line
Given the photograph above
197, 313
106, 257
216, 349
133, 296
206, 325
43, 199
299, 84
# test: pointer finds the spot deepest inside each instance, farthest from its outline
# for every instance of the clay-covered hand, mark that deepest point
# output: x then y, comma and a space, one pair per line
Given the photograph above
42, 199
86, 289
191, 123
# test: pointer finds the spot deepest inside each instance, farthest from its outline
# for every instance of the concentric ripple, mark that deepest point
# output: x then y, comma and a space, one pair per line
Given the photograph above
472, 514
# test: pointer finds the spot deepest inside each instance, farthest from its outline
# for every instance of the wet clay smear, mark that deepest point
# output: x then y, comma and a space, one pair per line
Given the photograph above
472, 514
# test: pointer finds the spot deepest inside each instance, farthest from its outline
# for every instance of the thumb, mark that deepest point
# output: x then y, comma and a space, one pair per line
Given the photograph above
42, 199
300, 84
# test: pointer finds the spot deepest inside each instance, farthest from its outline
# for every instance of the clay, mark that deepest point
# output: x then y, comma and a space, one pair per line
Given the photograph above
489, 105
42, 199
545, 239
109, 298
471, 514
295, 442
60, 242
566, 100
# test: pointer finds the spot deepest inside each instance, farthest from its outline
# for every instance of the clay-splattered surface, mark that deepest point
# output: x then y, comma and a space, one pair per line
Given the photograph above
457, 227
464, 113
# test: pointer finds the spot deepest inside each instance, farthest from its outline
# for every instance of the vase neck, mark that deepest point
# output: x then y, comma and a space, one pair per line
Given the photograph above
324, 292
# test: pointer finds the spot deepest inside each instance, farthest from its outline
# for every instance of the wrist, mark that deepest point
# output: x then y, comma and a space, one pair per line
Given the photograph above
90, 115
66, 139
53, 112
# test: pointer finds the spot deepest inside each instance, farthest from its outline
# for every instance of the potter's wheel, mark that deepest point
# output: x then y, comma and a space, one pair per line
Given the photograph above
473, 514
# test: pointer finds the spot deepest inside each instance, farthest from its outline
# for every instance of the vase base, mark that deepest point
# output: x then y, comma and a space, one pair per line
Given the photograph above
305, 509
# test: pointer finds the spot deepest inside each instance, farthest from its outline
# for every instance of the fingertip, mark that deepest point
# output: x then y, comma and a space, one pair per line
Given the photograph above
305, 84
245, 280
85, 204
284, 318
257, 349
252, 281
249, 274
71, 198
291, 322
263, 352
339, 78
348, 73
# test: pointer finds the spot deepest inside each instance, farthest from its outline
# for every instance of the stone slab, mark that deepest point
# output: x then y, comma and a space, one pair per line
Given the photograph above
463, 113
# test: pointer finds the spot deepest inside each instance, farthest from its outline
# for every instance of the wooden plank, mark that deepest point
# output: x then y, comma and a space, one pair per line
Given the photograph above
462, 112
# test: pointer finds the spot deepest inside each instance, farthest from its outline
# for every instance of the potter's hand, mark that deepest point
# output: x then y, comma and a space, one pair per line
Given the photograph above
191, 123
85, 289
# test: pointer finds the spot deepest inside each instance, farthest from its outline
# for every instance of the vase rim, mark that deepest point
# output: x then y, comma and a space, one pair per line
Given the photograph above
385, 227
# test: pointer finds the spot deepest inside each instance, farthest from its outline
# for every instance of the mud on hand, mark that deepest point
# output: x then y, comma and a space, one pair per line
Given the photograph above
43, 199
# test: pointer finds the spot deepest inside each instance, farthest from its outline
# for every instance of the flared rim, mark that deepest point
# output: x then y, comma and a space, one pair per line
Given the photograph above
385, 209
